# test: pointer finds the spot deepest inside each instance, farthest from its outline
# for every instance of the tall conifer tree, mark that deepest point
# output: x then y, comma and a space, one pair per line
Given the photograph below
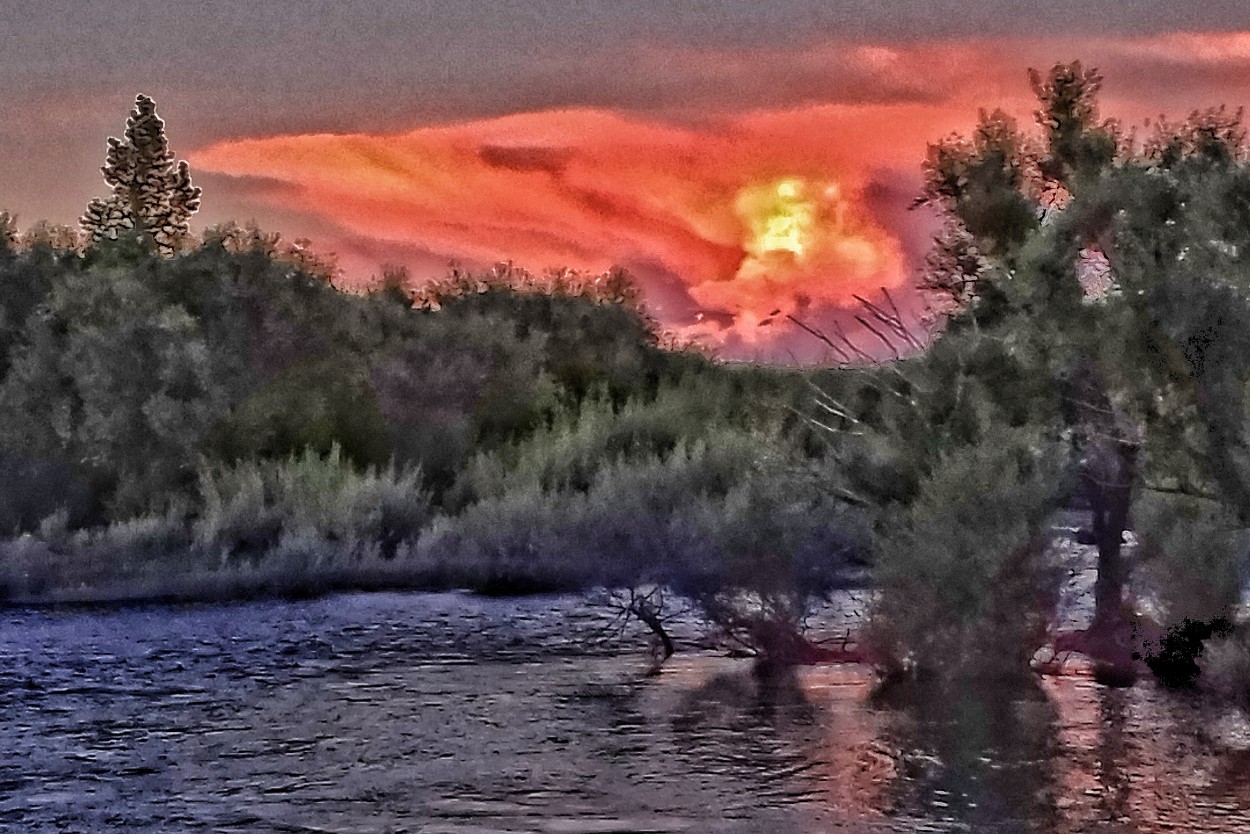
152, 194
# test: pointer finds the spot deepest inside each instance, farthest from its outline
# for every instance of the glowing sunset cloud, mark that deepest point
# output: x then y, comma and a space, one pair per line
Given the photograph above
726, 213
745, 225
802, 240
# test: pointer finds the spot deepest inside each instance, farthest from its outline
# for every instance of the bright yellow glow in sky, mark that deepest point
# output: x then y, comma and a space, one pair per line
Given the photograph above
779, 217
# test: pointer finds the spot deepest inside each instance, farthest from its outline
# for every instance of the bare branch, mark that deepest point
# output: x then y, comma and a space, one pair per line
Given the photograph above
1188, 493
889, 343
833, 406
818, 424
819, 335
862, 354
906, 331
892, 321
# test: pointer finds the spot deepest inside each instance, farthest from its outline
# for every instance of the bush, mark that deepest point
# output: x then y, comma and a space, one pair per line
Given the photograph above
1175, 660
250, 507
583, 439
1224, 666
31, 490
964, 587
712, 515
1190, 548
315, 405
153, 533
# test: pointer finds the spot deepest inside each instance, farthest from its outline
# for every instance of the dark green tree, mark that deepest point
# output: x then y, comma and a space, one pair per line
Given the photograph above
1099, 305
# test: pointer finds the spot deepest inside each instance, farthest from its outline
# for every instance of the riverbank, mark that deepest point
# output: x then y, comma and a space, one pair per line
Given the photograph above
36, 573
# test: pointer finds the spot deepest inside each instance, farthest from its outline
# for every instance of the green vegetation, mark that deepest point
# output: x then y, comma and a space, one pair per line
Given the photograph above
219, 418
1094, 351
226, 406
208, 418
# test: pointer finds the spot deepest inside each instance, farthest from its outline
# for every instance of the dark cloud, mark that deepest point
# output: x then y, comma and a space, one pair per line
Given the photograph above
247, 188
313, 62
547, 160
667, 294
888, 198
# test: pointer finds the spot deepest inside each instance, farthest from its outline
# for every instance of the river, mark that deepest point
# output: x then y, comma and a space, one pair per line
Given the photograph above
461, 714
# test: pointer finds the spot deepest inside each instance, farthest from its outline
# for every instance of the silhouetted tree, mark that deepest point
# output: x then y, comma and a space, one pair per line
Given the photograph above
152, 195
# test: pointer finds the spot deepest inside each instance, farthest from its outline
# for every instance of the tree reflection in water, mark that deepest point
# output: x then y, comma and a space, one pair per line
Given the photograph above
1143, 759
757, 733
973, 752
801, 740
1058, 755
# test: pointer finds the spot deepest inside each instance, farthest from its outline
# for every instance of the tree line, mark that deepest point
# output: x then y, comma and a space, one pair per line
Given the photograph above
217, 402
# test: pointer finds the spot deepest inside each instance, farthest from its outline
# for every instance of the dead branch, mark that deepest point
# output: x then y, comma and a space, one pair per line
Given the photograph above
899, 318
862, 354
891, 320
889, 343
844, 356
1188, 493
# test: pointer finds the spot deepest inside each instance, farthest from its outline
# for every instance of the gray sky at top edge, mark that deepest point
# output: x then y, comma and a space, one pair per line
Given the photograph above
226, 68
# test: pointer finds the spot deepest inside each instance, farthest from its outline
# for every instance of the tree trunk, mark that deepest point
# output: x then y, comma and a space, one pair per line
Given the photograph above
1109, 481
642, 608
1113, 641
1108, 473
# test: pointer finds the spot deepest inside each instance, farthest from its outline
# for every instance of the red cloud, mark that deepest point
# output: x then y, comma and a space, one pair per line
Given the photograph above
751, 211
748, 221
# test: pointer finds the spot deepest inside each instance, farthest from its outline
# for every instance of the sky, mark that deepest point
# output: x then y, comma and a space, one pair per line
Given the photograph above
738, 157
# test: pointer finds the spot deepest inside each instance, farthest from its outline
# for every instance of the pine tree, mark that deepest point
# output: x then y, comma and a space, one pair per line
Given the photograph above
152, 195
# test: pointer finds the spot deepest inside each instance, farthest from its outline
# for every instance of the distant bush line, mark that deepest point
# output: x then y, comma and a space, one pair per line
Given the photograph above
227, 422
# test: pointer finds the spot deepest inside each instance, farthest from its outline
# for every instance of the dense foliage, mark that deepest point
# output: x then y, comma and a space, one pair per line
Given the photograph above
1094, 352
227, 407
230, 408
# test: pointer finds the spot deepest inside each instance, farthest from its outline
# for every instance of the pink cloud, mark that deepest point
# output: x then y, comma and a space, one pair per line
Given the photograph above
752, 209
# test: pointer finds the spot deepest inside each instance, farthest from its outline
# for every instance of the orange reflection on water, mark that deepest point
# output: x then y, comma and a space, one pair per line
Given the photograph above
859, 766
1147, 760
1062, 755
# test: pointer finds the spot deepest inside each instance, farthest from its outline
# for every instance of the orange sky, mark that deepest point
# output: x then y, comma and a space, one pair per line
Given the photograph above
725, 214
737, 157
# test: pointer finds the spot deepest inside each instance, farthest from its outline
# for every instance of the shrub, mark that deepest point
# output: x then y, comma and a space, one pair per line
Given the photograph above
964, 587
719, 513
1175, 660
249, 507
316, 405
583, 439
163, 535
31, 490
1190, 548
1224, 666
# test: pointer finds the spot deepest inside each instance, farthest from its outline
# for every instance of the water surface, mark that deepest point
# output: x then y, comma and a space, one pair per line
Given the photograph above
454, 713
